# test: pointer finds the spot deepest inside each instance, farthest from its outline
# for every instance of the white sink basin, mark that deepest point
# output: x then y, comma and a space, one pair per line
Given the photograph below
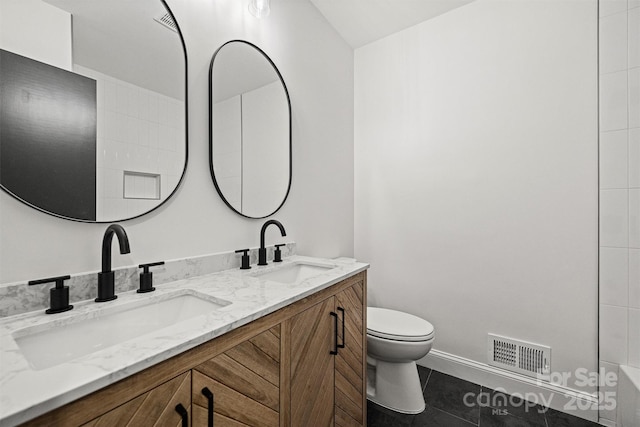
56, 342
294, 273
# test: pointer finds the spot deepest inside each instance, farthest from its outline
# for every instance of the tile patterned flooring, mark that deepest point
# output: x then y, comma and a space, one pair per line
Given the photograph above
444, 396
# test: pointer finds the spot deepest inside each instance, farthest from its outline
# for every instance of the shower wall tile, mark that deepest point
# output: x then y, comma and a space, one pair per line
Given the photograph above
619, 109
634, 218
109, 95
614, 276
633, 40
613, 159
634, 158
609, 369
609, 7
634, 278
613, 101
634, 337
613, 334
614, 214
613, 43
634, 97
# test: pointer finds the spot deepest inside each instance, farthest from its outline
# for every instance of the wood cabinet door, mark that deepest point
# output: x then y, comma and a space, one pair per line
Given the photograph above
350, 367
244, 381
312, 366
153, 408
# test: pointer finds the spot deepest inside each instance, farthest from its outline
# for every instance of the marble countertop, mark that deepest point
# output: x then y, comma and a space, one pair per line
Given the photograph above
27, 392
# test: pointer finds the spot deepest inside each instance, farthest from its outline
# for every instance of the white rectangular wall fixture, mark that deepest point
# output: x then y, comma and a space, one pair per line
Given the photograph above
140, 185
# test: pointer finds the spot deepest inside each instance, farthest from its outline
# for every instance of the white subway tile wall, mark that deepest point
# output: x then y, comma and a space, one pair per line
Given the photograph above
634, 158
609, 387
634, 217
138, 131
613, 43
633, 22
634, 337
633, 84
613, 334
614, 217
614, 276
619, 67
634, 278
613, 101
609, 7
613, 159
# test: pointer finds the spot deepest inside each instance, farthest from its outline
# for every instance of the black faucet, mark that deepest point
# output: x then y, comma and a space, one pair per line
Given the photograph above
106, 279
262, 252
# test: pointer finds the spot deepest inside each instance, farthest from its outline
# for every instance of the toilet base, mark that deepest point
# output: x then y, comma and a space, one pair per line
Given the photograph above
396, 386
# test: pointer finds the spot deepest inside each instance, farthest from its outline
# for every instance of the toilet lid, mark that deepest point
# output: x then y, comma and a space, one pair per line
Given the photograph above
396, 325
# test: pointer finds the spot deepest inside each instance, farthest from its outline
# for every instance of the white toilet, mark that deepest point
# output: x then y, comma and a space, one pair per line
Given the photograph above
395, 340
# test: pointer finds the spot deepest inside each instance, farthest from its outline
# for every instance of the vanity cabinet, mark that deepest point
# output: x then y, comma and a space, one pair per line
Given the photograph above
327, 359
155, 407
350, 362
302, 365
312, 366
243, 384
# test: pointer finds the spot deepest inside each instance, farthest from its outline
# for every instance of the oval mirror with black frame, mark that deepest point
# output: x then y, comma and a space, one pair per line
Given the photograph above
249, 130
95, 132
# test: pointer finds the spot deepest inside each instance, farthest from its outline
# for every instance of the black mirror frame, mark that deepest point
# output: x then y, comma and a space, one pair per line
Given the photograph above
186, 145
286, 91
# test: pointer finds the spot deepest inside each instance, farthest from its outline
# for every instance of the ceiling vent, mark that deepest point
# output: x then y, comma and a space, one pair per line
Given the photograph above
167, 21
522, 357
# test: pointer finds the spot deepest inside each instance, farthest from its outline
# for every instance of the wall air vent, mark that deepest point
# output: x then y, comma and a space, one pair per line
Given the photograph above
167, 21
533, 360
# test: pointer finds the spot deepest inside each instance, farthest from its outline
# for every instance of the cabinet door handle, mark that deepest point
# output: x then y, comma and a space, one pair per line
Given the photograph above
209, 395
335, 333
340, 309
183, 414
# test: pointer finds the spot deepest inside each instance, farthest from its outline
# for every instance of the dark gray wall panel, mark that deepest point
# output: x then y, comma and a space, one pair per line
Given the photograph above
48, 136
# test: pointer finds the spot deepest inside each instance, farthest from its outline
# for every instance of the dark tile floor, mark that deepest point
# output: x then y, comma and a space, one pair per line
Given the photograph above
446, 407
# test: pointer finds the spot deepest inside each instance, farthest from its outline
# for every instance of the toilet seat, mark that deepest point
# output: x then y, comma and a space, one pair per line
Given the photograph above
397, 326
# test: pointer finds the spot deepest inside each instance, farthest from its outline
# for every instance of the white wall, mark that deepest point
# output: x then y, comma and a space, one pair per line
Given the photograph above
50, 26
619, 187
318, 69
476, 175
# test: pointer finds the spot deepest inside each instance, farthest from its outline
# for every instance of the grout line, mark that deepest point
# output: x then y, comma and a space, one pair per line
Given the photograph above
455, 416
427, 381
546, 422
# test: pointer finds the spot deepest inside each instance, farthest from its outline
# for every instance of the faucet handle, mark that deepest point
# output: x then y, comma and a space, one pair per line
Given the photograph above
58, 296
146, 277
277, 255
245, 259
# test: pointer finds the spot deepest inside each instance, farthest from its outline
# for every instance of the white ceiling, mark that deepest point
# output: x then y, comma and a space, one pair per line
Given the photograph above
360, 22
120, 38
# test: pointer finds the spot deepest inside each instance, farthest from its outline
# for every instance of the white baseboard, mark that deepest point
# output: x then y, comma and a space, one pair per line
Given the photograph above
560, 398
